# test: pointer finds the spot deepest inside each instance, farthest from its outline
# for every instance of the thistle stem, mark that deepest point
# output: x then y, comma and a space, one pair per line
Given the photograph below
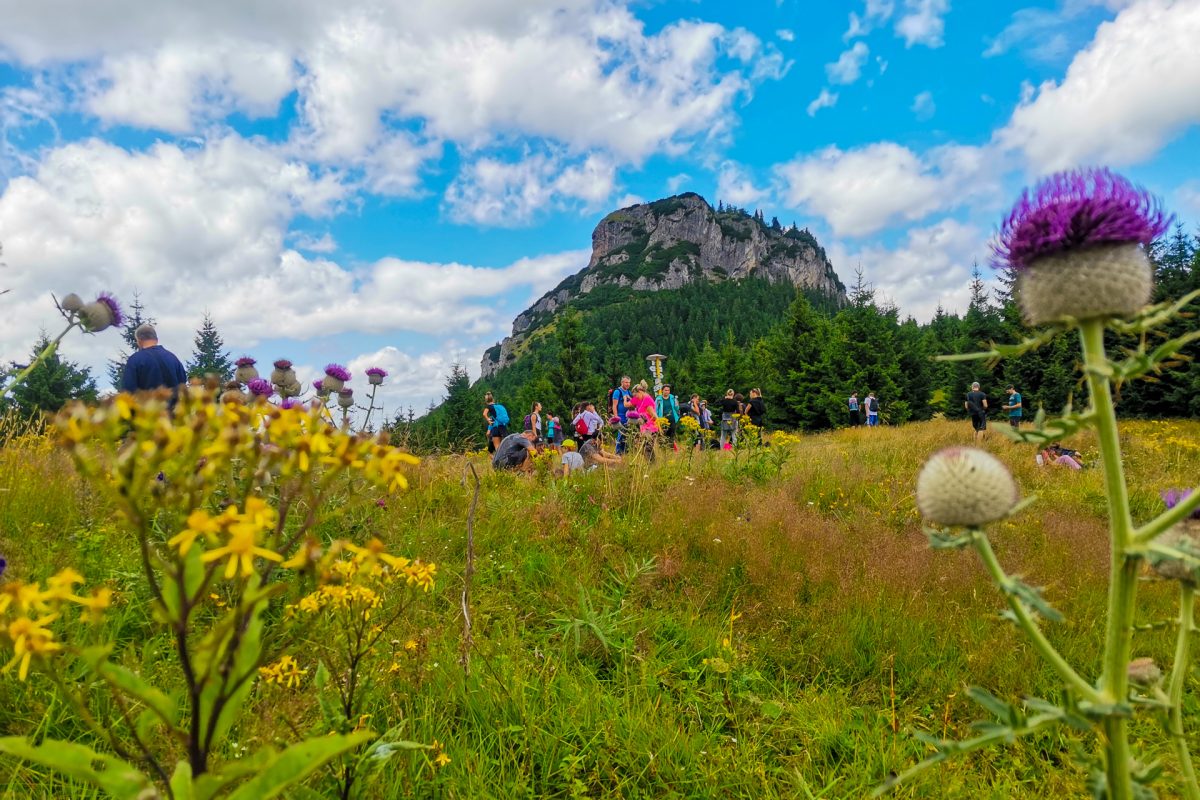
48, 351
1029, 625
1179, 673
1122, 590
1168, 519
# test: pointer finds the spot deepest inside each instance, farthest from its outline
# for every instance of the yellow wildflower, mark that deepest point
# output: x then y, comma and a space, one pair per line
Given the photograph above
284, 672
441, 759
61, 585
199, 523
30, 637
241, 549
410, 645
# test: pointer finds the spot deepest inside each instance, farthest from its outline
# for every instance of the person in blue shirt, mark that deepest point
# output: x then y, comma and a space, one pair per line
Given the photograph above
152, 366
1013, 407
852, 403
668, 407
620, 403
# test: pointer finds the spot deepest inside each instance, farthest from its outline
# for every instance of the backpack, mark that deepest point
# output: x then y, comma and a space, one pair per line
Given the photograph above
501, 414
872, 405
581, 426
528, 422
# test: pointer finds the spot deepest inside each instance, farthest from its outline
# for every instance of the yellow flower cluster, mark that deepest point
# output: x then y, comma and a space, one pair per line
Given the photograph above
238, 534
351, 576
132, 439
284, 672
28, 609
785, 439
690, 423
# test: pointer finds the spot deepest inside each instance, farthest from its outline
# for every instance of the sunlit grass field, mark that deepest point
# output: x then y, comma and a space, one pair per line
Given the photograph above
763, 624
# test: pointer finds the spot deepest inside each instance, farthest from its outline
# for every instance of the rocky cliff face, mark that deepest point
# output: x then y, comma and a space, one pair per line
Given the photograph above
669, 243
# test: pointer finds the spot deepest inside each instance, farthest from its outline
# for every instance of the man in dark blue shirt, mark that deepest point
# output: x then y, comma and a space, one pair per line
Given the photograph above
152, 366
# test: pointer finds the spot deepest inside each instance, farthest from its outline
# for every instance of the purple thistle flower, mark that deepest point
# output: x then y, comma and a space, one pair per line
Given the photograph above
380, 371
1076, 209
260, 387
113, 306
1173, 497
245, 361
283, 363
320, 387
289, 402
337, 371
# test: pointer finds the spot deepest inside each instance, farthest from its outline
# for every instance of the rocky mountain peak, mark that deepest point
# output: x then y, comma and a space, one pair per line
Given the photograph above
672, 242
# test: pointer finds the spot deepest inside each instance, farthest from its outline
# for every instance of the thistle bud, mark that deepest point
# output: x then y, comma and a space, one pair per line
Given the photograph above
1144, 672
966, 487
101, 314
345, 398
71, 303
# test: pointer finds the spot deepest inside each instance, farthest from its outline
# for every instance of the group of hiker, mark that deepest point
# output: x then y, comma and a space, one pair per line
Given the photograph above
639, 418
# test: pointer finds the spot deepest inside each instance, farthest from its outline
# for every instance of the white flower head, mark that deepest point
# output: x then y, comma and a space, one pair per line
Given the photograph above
966, 487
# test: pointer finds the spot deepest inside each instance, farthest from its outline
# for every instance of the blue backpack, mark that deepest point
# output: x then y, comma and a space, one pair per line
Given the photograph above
501, 414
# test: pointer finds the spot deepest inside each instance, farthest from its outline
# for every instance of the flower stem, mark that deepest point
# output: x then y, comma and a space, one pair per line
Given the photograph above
1179, 672
1029, 625
48, 351
1122, 589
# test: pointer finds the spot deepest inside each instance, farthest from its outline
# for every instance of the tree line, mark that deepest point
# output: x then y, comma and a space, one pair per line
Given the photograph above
806, 352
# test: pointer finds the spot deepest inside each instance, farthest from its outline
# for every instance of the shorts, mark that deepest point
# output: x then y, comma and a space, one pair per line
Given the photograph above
1014, 421
979, 422
872, 420
498, 431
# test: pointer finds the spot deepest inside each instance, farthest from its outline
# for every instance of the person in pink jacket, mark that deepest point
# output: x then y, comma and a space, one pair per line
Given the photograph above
643, 405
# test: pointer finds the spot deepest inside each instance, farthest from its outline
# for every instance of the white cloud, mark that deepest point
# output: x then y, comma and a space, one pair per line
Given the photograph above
412, 379
786, 35
1135, 87
931, 267
463, 70
849, 65
735, 185
490, 191
863, 190
677, 182
923, 22
1187, 200
826, 99
310, 244
923, 105
203, 227
875, 13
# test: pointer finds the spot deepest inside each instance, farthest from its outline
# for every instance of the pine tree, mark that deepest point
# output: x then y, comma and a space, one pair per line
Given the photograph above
799, 383
135, 317
51, 384
775, 226
571, 379
209, 356
463, 425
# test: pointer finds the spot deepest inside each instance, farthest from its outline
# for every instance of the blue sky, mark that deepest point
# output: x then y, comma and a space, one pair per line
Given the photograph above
390, 183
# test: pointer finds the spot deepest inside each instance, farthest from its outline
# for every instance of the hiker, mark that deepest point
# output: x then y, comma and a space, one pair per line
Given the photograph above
1013, 406
152, 366
571, 460
554, 433
533, 422
730, 408
853, 405
516, 452
872, 410
1060, 456
706, 420
756, 409
976, 403
667, 406
496, 416
593, 455
643, 405
619, 409
587, 423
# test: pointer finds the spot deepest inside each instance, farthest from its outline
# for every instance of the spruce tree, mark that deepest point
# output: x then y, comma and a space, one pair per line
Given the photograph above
210, 356
571, 379
799, 391
135, 317
51, 384
463, 425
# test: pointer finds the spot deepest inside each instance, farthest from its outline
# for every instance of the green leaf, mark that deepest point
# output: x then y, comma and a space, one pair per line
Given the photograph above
771, 710
118, 778
941, 540
1031, 598
181, 782
211, 784
134, 685
989, 701
298, 762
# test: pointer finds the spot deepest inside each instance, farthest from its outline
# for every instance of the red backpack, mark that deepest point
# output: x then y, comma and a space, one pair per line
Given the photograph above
581, 426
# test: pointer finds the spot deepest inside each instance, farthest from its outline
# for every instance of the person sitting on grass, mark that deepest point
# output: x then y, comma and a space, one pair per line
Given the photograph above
571, 460
1061, 456
594, 456
516, 452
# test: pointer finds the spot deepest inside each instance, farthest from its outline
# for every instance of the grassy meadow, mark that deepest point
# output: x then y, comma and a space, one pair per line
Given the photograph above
763, 624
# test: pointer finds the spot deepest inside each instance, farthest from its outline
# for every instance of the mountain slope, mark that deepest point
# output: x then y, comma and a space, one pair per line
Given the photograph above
668, 245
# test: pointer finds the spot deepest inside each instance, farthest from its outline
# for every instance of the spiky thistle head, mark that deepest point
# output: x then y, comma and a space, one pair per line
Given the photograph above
963, 486
1075, 210
337, 371
283, 363
71, 303
245, 361
104, 312
260, 387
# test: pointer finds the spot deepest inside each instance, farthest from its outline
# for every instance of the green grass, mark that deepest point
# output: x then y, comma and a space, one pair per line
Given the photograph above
597, 602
